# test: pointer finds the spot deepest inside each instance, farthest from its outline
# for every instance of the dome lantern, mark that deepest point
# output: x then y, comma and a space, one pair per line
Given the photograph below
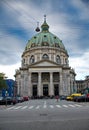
45, 26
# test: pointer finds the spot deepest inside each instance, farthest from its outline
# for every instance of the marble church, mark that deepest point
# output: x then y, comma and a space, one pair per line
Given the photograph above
45, 69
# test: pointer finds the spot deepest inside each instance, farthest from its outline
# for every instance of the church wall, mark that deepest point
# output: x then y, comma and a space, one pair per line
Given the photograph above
52, 53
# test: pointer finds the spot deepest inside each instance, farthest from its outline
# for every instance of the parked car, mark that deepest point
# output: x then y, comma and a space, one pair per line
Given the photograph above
88, 97
14, 100
1, 100
10, 100
20, 99
81, 98
26, 98
63, 97
70, 98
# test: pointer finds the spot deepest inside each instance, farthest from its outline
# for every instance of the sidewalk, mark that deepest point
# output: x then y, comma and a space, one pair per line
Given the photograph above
83, 103
3, 107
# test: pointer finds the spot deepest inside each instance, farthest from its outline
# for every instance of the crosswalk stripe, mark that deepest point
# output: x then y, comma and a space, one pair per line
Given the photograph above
51, 106
65, 106
71, 105
58, 106
10, 108
30, 107
78, 105
37, 107
17, 107
24, 107
45, 106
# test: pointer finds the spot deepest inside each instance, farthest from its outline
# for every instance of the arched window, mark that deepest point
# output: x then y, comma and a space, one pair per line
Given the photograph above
66, 61
23, 61
32, 59
45, 56
58, 60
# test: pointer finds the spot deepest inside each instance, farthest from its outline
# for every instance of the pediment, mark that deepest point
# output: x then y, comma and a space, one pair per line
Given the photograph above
44, 63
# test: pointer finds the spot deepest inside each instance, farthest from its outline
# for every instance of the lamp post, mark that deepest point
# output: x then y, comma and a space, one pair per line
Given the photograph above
6, 97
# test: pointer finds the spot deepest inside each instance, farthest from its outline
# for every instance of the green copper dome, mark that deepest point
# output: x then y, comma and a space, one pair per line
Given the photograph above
44, 38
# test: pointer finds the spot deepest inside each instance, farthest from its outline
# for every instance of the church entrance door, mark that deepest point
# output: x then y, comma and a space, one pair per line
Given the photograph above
34, 90
56, 89
45, 89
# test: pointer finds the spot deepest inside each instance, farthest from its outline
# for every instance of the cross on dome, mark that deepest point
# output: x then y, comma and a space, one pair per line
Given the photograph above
45, 17
45, 26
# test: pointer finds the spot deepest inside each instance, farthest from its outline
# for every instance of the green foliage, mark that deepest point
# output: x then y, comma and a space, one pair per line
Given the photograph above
2, 81
3, 75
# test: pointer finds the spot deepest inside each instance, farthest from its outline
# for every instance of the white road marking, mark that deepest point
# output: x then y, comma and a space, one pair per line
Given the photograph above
58, 106
78, 105
71, 105
51, 106
45, 105
10, 108
37, 107
24, 107
17, 107
30, 107
65, 106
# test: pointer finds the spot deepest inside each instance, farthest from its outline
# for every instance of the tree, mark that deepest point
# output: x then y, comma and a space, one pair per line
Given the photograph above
3, 84
3, 75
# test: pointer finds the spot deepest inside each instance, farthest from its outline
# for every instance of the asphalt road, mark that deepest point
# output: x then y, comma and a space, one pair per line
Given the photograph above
45, 115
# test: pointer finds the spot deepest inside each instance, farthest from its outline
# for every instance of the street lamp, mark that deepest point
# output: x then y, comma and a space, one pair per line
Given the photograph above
6, 94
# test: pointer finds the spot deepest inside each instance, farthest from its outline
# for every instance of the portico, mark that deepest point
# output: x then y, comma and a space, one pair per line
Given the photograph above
45, 83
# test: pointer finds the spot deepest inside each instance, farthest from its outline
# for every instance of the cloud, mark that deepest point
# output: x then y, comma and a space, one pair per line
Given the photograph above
81, 65
9, 70
74, 35
11, 49
69, 34
26, 13
83, 8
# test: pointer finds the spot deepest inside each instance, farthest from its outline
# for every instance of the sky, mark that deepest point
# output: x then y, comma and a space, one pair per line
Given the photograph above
68, 19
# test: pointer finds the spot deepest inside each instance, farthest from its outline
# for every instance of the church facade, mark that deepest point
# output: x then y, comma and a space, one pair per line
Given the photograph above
45, 69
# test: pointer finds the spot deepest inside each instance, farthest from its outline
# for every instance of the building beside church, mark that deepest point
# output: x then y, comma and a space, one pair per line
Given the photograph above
82, 86
45, 69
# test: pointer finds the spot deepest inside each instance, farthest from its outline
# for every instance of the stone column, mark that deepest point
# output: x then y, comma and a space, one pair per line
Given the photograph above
50, 56
72, 87
29, 85
35, 58
39, 85
17, 80
22, 85
61, 84
51, 89
61, 59
54, 58
68, 84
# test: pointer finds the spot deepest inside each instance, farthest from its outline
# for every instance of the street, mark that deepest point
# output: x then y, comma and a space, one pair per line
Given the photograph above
45, 114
